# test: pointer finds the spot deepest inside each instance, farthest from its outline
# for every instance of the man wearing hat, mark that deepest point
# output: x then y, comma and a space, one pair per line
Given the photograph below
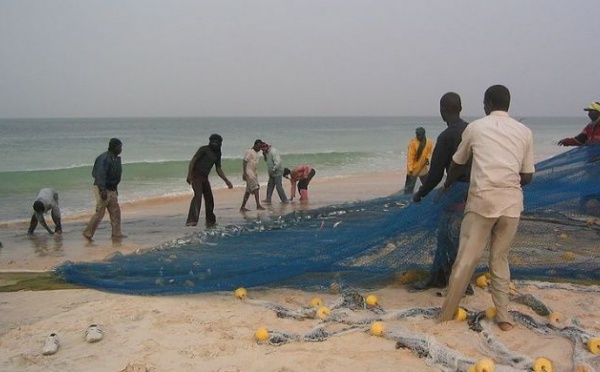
107, 175
250, 175
591, 132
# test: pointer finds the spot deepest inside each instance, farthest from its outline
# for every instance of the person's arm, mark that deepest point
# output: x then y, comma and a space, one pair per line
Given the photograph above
578, 140
244, 167
528, 167
441, 158
460, 159
42, 221
454, 173
428, 151
100, 172
224, 177
573, 141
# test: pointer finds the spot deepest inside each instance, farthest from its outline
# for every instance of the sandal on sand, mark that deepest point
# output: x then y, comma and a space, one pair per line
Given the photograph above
93, 334
51, 345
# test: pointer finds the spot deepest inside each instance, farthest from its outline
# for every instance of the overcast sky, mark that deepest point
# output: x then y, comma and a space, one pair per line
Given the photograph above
122, 58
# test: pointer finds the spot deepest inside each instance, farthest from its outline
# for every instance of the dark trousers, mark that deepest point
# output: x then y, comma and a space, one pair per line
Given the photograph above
448, 234
303, 183
447, 246
411, 181
201, 188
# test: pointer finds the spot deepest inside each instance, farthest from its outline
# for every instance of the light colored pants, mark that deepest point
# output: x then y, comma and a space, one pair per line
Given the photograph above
276, 182
114, 211
476, 233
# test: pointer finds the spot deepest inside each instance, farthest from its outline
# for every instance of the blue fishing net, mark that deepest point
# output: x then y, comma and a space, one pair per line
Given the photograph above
367, 244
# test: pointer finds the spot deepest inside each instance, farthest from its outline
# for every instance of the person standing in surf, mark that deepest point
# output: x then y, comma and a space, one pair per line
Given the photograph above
107, 173
198, 171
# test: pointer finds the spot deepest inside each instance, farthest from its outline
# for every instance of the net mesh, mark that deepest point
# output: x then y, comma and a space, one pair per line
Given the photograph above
367, 244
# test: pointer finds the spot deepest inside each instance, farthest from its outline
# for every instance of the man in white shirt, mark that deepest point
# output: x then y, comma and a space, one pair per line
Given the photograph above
250, 175
502, 153
47, 200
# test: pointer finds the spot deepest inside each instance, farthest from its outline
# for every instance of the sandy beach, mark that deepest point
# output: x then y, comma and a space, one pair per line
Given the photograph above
215, 331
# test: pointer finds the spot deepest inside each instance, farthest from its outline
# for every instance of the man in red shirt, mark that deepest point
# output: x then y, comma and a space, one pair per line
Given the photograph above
591, 132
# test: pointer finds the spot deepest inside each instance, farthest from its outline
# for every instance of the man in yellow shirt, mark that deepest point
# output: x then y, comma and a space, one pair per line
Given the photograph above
417, 160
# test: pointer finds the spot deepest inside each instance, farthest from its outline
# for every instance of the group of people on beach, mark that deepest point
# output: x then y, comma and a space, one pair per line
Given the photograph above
490, 160
210, 155
300, 175
107, 172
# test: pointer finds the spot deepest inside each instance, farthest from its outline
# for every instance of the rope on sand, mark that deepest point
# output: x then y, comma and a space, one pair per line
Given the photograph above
431, 350
344, 311
564, 286
500, 351
536, 305
577, 335
349, 312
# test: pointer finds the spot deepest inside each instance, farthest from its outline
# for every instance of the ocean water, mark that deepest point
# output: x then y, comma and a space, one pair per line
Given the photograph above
59, 153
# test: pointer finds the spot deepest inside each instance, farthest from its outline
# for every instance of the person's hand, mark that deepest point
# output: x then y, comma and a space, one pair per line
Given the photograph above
417, 198
229, 184
103, 194
568, 142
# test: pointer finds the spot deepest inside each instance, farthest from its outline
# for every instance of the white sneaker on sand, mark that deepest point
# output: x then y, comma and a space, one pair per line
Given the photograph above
51, 345
93, 334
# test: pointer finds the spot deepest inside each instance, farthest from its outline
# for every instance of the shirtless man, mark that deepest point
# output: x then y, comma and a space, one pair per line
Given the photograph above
302, 175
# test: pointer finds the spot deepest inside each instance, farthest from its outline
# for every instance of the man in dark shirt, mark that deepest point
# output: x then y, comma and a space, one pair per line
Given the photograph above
107, 175
449, 226
198, 172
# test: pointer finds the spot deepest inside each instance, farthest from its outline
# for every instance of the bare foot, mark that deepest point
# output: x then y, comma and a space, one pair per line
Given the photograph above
505, 326
244, 209
260, 208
